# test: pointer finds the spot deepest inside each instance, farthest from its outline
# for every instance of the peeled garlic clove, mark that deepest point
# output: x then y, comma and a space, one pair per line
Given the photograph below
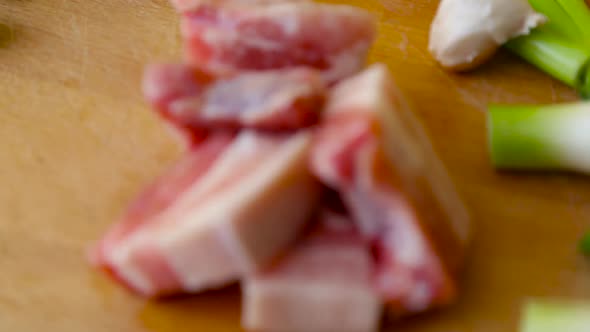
466, 33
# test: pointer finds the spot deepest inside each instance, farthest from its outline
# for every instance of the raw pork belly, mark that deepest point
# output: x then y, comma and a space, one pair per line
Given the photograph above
163, 84
373, 150
272, 100
223, 212
185, 5
332, 38
323, 284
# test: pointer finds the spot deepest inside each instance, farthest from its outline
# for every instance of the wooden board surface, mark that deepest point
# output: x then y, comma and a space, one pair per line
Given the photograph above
77, 143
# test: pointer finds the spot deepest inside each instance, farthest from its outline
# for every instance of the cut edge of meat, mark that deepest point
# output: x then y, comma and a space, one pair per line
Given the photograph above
227, 228
326, 274
153, 201
188, 5
263, 199
212, 33
403, 135
163, 82
274, 100
357, 308
441, 222
346, 64
444, 196
419, 278
331, 160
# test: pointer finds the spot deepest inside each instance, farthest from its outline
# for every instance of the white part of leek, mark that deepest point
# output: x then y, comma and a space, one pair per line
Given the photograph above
554, 316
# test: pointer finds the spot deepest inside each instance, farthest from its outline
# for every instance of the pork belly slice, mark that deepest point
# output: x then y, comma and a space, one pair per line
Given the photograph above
165, 83
375, 152
186, 5
226, 210
322, 284
275, 100
331, 38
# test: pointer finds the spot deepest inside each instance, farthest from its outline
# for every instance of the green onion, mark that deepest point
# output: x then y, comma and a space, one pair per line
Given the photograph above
580, 15
554, 137
555, 316
585, 244
561, 47
557, 56
559, 20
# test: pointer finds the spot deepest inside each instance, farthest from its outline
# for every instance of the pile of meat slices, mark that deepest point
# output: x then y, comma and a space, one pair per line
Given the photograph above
306, 177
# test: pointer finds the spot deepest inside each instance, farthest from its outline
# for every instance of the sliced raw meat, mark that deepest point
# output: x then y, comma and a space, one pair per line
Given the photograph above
271, 100
323, 284
332, 38
163, 84
156, 199
185, 5
274, 100
373, 149
218, 215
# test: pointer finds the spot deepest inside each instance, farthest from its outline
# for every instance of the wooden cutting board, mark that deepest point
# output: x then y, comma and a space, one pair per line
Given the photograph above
77, 143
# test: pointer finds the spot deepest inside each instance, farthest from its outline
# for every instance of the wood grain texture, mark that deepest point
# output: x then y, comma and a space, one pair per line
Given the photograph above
77, 143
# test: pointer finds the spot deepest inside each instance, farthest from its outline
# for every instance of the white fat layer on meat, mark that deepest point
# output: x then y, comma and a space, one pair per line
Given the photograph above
293, 14
121, 260
245, 145
185, 5
291, 25
420, 297
367, 92
277, 95
348, 62
283, 9
405, 239
277, 101
150, 87
368, 214
310, 306
261, 153
262, 43
360, 93
326, 148
211, 36
464, 29
323, 168
276, 159
345, 263
568, 136
200, 258
222, 211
